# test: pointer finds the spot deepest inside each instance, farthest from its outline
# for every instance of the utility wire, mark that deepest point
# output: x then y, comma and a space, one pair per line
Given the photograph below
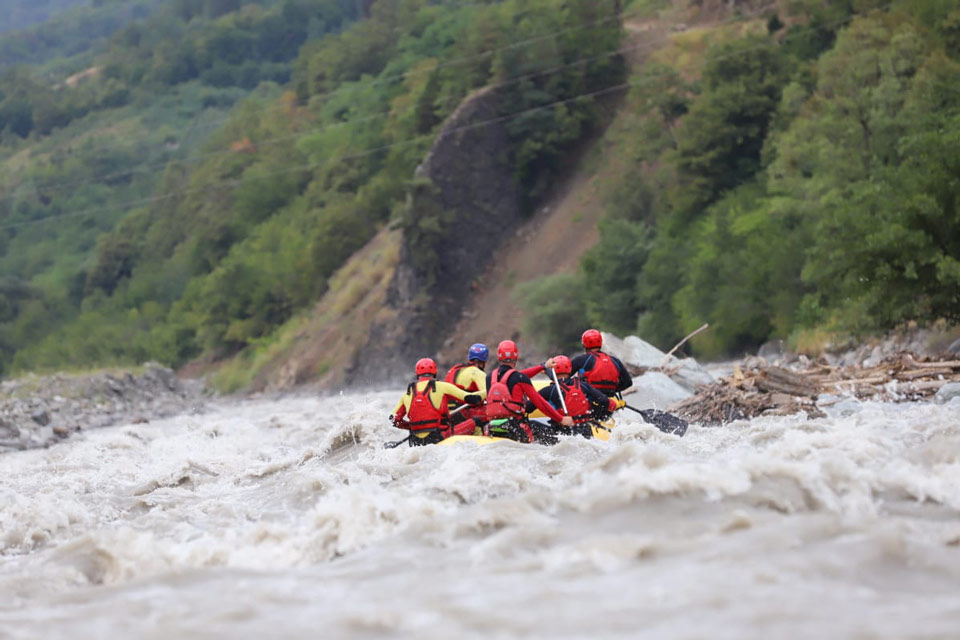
414, 72
53, 187
360, 154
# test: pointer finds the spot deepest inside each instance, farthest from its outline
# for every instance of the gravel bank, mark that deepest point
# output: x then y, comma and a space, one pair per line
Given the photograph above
36, 411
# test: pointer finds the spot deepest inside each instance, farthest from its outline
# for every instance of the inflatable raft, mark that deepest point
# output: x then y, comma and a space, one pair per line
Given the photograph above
600, 431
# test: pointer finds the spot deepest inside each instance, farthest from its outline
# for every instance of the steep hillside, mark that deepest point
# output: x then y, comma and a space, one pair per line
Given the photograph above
213, 201
480, 254
797, 182
564, 227
17, 14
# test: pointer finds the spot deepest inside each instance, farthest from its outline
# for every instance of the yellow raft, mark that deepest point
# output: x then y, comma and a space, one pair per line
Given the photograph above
474, 439
599, 431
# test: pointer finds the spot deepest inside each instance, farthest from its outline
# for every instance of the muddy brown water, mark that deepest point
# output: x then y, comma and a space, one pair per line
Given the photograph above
288, 519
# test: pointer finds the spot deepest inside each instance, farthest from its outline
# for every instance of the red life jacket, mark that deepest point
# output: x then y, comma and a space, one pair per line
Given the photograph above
422, 414
578, 405
452, 377
605, 374
501, 403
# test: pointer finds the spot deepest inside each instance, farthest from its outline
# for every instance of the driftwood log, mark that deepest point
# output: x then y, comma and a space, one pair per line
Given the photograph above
759, 389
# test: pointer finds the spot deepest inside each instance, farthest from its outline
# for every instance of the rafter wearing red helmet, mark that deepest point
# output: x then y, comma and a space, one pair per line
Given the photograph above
425, 407
583, 403
601, 370
509, 390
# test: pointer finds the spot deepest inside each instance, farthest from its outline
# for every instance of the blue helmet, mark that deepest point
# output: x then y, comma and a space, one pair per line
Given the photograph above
478, 352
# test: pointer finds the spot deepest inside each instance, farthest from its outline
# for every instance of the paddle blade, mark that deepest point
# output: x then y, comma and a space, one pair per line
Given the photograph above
666, 422
394, 445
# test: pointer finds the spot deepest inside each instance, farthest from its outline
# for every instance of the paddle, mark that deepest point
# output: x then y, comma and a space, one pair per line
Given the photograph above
563, 402
666, 422
394, 445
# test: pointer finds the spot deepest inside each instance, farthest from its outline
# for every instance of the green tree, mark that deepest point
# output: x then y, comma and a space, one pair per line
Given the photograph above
553, 311
720, 140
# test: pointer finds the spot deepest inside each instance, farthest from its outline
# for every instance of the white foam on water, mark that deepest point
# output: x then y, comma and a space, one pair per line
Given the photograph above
287, 518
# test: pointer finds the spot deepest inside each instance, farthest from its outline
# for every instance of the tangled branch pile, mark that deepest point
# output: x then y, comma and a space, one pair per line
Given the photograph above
756, 389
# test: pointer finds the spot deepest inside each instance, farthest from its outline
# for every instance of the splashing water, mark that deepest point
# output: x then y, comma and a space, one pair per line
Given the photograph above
288, 519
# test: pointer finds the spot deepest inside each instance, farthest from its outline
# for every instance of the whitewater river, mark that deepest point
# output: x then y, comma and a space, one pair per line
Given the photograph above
266, 519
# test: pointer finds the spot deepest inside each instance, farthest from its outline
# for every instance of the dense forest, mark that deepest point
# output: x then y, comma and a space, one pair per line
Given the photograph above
18, 14
212, 249
805, 184
185, 183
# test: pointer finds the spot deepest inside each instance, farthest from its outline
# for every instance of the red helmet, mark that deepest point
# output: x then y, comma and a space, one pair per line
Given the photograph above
592, 339
426, 366
562, 365
507, 350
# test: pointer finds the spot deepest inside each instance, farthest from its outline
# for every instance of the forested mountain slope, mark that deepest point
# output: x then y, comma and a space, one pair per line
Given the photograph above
285, 191
17, 14
302, 170
70, 38
802, 181
83, 151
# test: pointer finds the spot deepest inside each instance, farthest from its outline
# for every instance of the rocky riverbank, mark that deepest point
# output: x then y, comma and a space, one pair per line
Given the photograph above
912, 366
37, 411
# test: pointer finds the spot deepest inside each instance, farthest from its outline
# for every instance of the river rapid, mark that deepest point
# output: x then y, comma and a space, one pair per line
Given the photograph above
287, 519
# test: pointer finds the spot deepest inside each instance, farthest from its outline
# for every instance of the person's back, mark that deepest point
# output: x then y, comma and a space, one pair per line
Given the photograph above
603, 371
508, 389
505, 400
424, 405
582, 402
470, 377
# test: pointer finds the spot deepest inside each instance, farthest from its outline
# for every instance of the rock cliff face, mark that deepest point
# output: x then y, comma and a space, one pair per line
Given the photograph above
464, 204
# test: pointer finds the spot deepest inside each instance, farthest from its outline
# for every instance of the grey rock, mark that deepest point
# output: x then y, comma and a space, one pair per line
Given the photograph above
633, 351
41, 411
954, 347
876, 356
656, 390
844, 408
8, 430
947, 392
636, 352
692, 375
771, 351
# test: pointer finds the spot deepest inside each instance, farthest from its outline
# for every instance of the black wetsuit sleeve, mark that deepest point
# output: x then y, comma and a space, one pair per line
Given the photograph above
580, 362
531, 393
545, 393
549, 393
597, 398
517, 377
626, 380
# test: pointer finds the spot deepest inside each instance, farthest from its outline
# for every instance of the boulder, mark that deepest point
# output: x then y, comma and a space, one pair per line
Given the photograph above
691, 374
947, 393
635, 352
954, 347
844, 408
656, 390
771, 351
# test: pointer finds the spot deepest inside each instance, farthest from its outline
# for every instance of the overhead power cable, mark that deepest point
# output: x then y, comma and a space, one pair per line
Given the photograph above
53, 187
414, 72
360, 154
